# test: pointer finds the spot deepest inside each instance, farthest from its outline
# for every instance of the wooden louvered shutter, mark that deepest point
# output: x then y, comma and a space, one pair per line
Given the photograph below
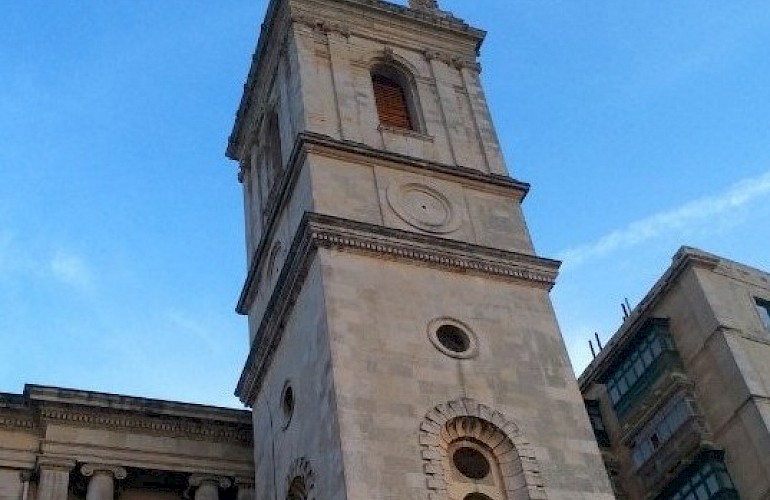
391, 103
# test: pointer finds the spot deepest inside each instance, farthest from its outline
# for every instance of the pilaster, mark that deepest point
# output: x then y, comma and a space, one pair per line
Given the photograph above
54, 478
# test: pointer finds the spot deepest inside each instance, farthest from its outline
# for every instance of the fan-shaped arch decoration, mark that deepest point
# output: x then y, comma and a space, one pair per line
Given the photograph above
300, 481
468, 419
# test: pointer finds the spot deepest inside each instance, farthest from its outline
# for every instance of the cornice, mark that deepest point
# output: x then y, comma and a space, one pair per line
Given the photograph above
335, 148
37, 395
17, 420
15, 413
312, 143
274, 28
323, 231
161, 425
433, 251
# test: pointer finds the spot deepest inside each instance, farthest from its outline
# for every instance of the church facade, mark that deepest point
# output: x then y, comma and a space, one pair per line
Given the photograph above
403, 342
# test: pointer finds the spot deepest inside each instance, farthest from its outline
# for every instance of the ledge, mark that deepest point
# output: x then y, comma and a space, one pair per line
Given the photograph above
322, 231
44, 404
312, 143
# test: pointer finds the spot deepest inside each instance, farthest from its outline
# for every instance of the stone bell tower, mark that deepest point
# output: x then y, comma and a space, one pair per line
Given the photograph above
403, 343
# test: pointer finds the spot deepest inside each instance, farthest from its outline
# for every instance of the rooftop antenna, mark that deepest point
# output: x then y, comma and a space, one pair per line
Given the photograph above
598, 342
591, 345
625, 311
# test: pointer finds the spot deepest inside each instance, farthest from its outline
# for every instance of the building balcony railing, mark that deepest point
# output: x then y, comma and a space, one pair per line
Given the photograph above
680, 448
667, 362
704, 477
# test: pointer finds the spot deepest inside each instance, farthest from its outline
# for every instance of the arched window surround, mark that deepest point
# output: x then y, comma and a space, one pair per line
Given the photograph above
400, 71
468, 419
300, 480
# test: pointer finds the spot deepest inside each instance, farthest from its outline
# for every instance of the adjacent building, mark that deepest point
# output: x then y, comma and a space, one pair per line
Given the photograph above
680, 397
64, 444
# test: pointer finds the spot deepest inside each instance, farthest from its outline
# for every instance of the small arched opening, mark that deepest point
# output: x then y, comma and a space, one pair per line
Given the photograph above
394, 97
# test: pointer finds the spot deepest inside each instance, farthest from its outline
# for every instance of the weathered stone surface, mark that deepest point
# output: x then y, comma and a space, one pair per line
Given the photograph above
709, 303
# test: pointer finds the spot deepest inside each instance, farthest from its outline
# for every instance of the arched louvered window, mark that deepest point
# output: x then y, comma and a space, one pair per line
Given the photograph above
392, 97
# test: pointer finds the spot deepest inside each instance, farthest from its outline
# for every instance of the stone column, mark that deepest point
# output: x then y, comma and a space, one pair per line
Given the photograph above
101, 486
245, 488
54, 478
207, 487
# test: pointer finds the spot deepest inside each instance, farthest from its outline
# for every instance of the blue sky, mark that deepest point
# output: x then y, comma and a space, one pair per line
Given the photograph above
641, 126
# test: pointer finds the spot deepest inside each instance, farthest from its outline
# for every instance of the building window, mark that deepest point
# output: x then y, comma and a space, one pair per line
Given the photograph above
287, 404
707, 478
471, 463
763, 308
661, 427
453, 338
392, 98
475, 471
637, 361
595, 416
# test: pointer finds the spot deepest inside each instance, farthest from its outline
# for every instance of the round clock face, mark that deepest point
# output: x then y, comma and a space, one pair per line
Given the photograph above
423, 207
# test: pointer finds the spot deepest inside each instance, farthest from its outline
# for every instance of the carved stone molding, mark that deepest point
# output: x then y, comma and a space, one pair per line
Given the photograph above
90, 469
167, 426
301, 469
58, 463
323, 231
312, 143
21, 421
461, 257
466, 418
455, 61
196, 480
321, 25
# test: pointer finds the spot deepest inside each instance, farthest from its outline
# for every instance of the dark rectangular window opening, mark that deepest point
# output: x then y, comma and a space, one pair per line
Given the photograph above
595, 416
763, 308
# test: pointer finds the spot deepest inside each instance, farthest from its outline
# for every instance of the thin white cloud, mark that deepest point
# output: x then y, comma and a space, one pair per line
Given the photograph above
71, 270
195, 326
693, 214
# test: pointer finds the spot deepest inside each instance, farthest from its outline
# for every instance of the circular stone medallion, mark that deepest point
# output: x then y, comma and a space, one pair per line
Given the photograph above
423, 207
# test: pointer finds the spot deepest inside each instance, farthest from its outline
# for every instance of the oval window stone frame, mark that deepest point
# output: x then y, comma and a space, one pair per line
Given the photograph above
473, 343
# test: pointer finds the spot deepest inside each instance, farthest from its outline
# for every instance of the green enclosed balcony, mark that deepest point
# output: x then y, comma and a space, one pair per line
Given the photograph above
650, 355
705, 478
